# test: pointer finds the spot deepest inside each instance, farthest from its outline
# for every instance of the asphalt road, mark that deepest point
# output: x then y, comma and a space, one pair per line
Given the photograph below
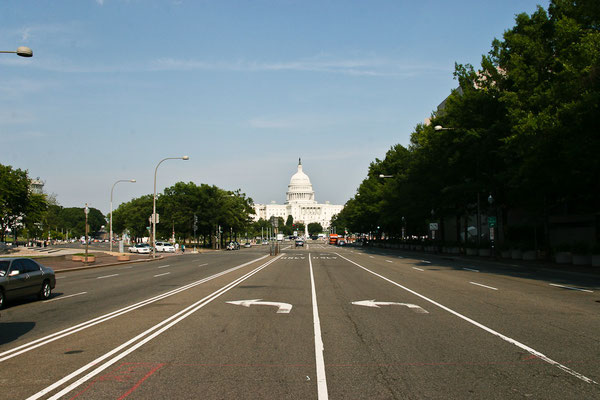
312, 323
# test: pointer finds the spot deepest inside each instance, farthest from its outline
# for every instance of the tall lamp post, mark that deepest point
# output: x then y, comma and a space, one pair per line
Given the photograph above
154, 202
21, 51
111, 206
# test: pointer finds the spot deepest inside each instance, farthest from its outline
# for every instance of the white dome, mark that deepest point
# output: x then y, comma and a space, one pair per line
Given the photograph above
300, 178
300, 189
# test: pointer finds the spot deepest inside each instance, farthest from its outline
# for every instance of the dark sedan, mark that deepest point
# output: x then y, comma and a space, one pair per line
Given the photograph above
23, 277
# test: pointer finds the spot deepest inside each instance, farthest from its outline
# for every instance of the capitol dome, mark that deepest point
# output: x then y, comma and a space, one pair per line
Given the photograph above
300, 189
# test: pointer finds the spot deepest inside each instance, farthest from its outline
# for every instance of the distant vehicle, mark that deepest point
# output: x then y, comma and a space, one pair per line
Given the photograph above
341, 242
141, 248
165, 247
233, 246
299, 242
23, 277
333, 238
247, 245
265, 242
280, 237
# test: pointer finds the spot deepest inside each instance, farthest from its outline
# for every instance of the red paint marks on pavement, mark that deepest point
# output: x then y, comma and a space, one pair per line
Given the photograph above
124, 374
152, 371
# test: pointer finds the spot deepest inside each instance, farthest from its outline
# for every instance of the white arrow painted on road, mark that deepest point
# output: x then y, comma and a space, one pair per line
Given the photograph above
377, 304
282, 308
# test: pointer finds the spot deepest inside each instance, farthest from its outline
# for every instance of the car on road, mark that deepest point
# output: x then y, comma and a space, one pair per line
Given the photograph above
24, 277
299, 243
233, 246
247, 245
141, 248
165, 247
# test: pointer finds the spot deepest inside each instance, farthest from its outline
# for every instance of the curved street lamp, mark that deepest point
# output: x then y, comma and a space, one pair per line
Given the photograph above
154, 202
22, 51
111, 206
441, 128
385, 176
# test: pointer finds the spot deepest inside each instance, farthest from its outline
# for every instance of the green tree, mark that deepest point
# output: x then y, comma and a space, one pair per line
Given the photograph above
314, 228
14, 197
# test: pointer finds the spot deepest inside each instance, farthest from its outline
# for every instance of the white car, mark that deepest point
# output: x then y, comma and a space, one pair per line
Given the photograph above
165, 247
141, 248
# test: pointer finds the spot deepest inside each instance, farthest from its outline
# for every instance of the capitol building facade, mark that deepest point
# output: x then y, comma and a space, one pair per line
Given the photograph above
300, 203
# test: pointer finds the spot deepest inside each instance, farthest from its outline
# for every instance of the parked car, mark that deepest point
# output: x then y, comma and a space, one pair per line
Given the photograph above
165, 247
299, 243
23, 277
141, 248
247, 245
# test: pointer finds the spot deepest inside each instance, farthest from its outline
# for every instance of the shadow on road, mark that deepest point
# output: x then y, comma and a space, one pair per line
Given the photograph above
10, 331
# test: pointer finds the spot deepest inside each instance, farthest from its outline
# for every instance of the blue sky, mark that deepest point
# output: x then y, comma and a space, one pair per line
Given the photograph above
242, 87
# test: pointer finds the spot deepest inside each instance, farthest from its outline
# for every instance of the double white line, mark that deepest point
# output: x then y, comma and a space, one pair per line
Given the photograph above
84, 325
138, 341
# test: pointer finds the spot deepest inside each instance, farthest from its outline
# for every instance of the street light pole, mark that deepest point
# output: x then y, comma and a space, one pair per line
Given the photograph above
86, 211
154, 202
111, 207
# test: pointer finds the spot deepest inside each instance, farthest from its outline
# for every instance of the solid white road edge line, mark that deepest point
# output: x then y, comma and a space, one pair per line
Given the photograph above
471, 269
418, 269
166, 273
165, 266
322, 393
485, 328
84, 325
64, 297
485, 286
165, 324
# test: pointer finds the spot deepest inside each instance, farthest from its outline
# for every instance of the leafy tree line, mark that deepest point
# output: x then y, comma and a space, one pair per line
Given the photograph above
31, 215
523, 128
213, 211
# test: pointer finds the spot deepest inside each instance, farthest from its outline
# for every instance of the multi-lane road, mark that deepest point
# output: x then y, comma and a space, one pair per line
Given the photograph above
311, 323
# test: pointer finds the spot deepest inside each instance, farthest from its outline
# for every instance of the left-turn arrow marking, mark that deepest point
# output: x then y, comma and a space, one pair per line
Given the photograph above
282, 308
377, 304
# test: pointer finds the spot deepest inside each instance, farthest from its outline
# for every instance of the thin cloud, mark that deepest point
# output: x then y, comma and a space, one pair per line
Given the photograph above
357, 67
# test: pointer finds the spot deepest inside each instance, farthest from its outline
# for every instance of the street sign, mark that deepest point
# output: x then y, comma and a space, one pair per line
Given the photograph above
433, 226
491, 222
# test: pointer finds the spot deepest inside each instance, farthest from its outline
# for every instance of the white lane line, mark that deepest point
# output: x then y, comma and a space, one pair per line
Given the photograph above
571, 288
371, 257
485, 328
127, 267
485, 286
165, 266
418, 269
400, 257
139, 340
426, 262
202, 265
390, 261
322, 393
103, 318
64, 297
166, 273
471, 269
107, 276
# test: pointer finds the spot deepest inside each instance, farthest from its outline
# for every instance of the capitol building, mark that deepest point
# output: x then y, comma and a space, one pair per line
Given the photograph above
300, 203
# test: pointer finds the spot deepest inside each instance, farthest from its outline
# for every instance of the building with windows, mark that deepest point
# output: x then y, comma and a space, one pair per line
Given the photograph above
300, 203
